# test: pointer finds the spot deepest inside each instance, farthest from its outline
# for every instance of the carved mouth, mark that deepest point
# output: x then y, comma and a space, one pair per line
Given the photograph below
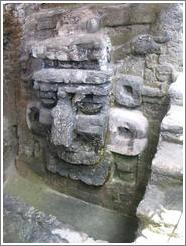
89, 108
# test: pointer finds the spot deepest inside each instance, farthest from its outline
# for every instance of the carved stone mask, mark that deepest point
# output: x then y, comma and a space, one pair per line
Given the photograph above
74, 100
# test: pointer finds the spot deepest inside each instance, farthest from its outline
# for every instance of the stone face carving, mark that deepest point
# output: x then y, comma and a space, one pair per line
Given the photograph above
73, 87
128, 131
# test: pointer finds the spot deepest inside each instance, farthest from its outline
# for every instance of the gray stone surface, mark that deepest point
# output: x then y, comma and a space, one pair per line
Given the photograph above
63, 123
95, 125
96, 221
95, 175
93, 25
168, 159
144, 44
176, 90
128, 131
130, 13
164, 73
26, 224
172, 125
151, 60
102, 89
128, 90
153, 91
73, 47
73, 76
67, 45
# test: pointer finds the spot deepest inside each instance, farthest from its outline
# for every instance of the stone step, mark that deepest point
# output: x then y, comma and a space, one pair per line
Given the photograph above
96, 221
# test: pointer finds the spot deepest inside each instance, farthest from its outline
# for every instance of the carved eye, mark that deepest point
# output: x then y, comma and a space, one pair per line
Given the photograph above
125, 131
128, 89
34, 114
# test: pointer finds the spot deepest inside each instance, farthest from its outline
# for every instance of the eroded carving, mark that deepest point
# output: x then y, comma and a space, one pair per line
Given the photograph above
128, 131
73, 88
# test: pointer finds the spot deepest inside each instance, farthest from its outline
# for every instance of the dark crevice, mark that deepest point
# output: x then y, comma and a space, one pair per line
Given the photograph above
85, 65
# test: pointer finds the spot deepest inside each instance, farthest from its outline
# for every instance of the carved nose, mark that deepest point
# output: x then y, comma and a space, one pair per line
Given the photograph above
62, 123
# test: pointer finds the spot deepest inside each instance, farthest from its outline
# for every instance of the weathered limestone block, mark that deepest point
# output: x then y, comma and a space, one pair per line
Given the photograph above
95, 125
169, 160
156, 91
161, 210
129, 13
51, 75
63, 123
132, 65
93, 25
81, 152
150, 77
95, 175
172, 125
160, 213
100, 90
77, 47
128, 131
176, 90
151, 60
144, 44
128, 90
164, 73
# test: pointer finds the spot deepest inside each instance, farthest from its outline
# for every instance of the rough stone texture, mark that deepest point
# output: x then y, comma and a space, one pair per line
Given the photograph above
26, 224
176, 90
168, 160
91, 175
128, 131
71, 76
63, 123
172, 125
128, 90
77, 50
161, 209
144, 44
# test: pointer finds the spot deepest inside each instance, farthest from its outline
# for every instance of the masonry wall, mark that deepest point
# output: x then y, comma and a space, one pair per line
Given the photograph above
143, 46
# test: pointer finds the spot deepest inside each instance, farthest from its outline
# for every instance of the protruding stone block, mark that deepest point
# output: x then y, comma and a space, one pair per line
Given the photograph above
172, 125
164, 73
128, 131
144, 44
95, 125
63, 123
128, 90
95, 175
168, 160
74, 76
100, 90
176, 90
